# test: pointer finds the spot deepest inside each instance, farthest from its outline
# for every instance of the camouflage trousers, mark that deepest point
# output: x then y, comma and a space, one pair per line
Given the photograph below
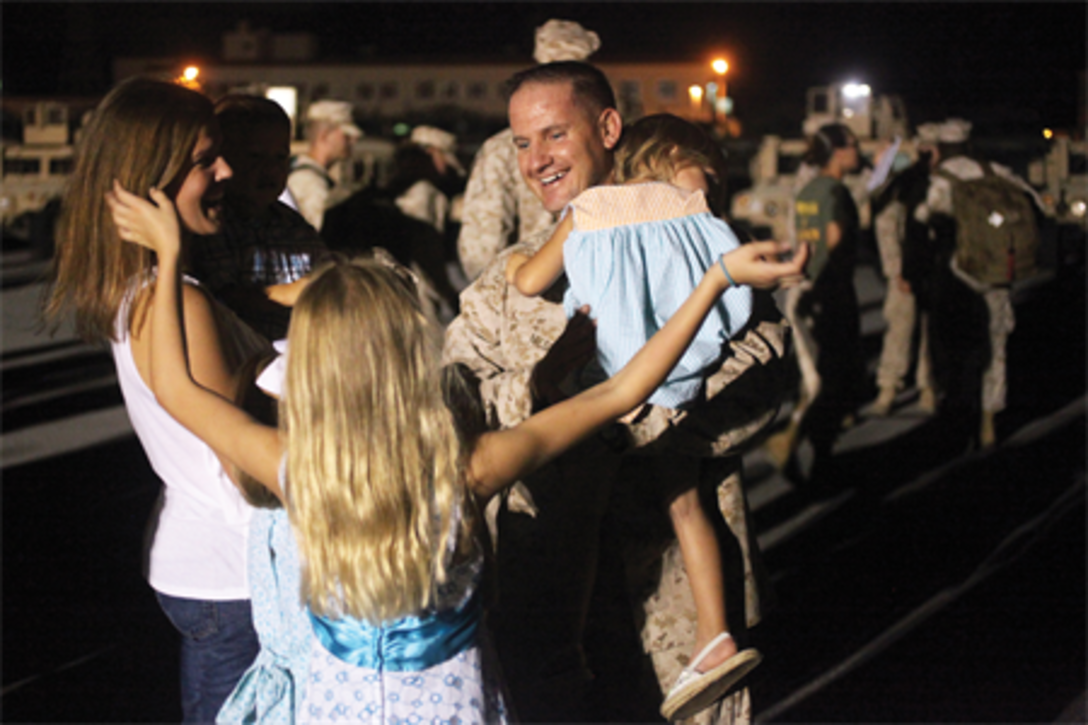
805, 348
901, 314
1002, 323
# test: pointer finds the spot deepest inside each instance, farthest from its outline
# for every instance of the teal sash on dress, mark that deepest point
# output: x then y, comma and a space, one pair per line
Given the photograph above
410, 644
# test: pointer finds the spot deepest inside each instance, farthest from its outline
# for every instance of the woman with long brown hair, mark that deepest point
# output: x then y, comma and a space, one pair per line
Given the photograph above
146, 135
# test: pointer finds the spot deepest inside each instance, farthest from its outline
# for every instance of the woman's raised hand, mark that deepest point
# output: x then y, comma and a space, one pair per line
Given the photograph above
152, 224
757, 264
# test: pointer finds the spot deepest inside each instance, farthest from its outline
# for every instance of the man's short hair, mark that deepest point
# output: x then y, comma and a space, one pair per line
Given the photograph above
591, 88
239, 114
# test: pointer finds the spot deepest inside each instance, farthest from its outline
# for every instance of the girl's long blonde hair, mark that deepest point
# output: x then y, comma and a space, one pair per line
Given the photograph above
374, 462
142, 134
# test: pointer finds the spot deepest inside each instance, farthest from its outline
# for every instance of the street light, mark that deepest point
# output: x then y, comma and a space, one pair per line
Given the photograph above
696, 94
721, 67
188, 77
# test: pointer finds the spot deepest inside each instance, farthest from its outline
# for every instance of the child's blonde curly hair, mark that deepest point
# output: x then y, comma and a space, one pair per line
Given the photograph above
655, 147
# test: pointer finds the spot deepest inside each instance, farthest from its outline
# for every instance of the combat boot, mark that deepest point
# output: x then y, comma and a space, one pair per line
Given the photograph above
927, 403
986, 435
780, 446
883, 403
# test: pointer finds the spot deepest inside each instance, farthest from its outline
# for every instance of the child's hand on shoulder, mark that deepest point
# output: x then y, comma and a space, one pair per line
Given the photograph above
152, 224
758, 264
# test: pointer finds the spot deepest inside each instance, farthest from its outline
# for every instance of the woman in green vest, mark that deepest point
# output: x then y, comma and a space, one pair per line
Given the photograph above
827, 220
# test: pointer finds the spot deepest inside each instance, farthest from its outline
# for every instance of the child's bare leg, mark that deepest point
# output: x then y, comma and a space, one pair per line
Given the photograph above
702, 559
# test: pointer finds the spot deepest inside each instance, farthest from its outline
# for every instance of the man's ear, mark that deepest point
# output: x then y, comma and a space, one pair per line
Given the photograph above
610, 125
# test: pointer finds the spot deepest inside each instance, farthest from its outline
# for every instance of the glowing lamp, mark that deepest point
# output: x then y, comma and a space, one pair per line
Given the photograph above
856, 90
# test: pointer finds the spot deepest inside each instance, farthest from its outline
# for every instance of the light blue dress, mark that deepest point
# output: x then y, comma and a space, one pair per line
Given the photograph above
271, 689
635, 254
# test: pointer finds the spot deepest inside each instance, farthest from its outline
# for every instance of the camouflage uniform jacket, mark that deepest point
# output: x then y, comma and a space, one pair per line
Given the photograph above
311, 187
499, 208
500, 335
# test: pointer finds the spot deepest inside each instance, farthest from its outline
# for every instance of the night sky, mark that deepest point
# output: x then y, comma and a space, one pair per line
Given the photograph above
1011, 67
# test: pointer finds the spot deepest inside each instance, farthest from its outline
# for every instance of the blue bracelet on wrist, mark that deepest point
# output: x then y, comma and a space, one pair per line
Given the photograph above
728, 277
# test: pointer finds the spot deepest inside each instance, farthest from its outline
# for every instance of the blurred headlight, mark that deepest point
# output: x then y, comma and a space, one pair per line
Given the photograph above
1078, 207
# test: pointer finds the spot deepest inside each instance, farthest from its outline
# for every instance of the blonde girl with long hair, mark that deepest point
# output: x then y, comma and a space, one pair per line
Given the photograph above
379, 481
148, 134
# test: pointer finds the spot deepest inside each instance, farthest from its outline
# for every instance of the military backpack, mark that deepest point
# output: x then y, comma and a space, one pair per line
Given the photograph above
997, 239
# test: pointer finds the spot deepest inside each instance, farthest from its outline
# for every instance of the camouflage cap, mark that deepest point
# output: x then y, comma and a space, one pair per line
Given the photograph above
443, 141
337, 113
558, 40
954, 130
927, 133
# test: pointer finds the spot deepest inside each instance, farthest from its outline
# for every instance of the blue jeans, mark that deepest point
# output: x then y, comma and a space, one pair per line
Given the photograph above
218, 643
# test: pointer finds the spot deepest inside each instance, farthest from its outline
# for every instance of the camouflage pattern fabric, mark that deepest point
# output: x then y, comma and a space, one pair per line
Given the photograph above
498, 207
900, 307
500, 335
1002, 318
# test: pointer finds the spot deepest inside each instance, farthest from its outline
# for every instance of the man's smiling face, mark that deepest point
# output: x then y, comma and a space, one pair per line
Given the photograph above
563, 148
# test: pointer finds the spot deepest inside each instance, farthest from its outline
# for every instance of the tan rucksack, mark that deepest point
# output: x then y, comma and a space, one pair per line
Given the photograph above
997, 239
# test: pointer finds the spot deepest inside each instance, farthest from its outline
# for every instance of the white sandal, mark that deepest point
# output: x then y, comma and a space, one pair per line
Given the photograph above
695, 691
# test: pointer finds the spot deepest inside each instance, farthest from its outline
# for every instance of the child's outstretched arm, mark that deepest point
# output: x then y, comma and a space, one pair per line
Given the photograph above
756, 264
534, 275
503, 457
231, 432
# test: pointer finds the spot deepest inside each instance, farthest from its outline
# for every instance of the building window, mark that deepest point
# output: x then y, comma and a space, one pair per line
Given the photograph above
389, 90
22, 166
477, 90
365, 91
425, 90
666, 90
450, 90
321, 90
61, 166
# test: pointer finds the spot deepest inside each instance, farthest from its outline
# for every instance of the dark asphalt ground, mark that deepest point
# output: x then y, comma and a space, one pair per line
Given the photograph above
960, 600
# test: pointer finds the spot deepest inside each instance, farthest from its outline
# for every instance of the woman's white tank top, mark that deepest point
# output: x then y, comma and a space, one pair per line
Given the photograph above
199, 529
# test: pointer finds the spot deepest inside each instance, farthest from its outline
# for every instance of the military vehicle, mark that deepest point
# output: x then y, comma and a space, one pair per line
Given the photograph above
777, 172
35, 171
1062, 180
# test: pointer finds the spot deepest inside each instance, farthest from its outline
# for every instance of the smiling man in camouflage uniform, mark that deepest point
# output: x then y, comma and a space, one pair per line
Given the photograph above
562, 608
499, 208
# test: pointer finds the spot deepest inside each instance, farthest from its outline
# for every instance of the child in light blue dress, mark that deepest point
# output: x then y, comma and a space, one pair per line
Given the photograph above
633, 252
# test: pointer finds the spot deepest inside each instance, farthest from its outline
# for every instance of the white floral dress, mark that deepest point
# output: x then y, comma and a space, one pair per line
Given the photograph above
377, 672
